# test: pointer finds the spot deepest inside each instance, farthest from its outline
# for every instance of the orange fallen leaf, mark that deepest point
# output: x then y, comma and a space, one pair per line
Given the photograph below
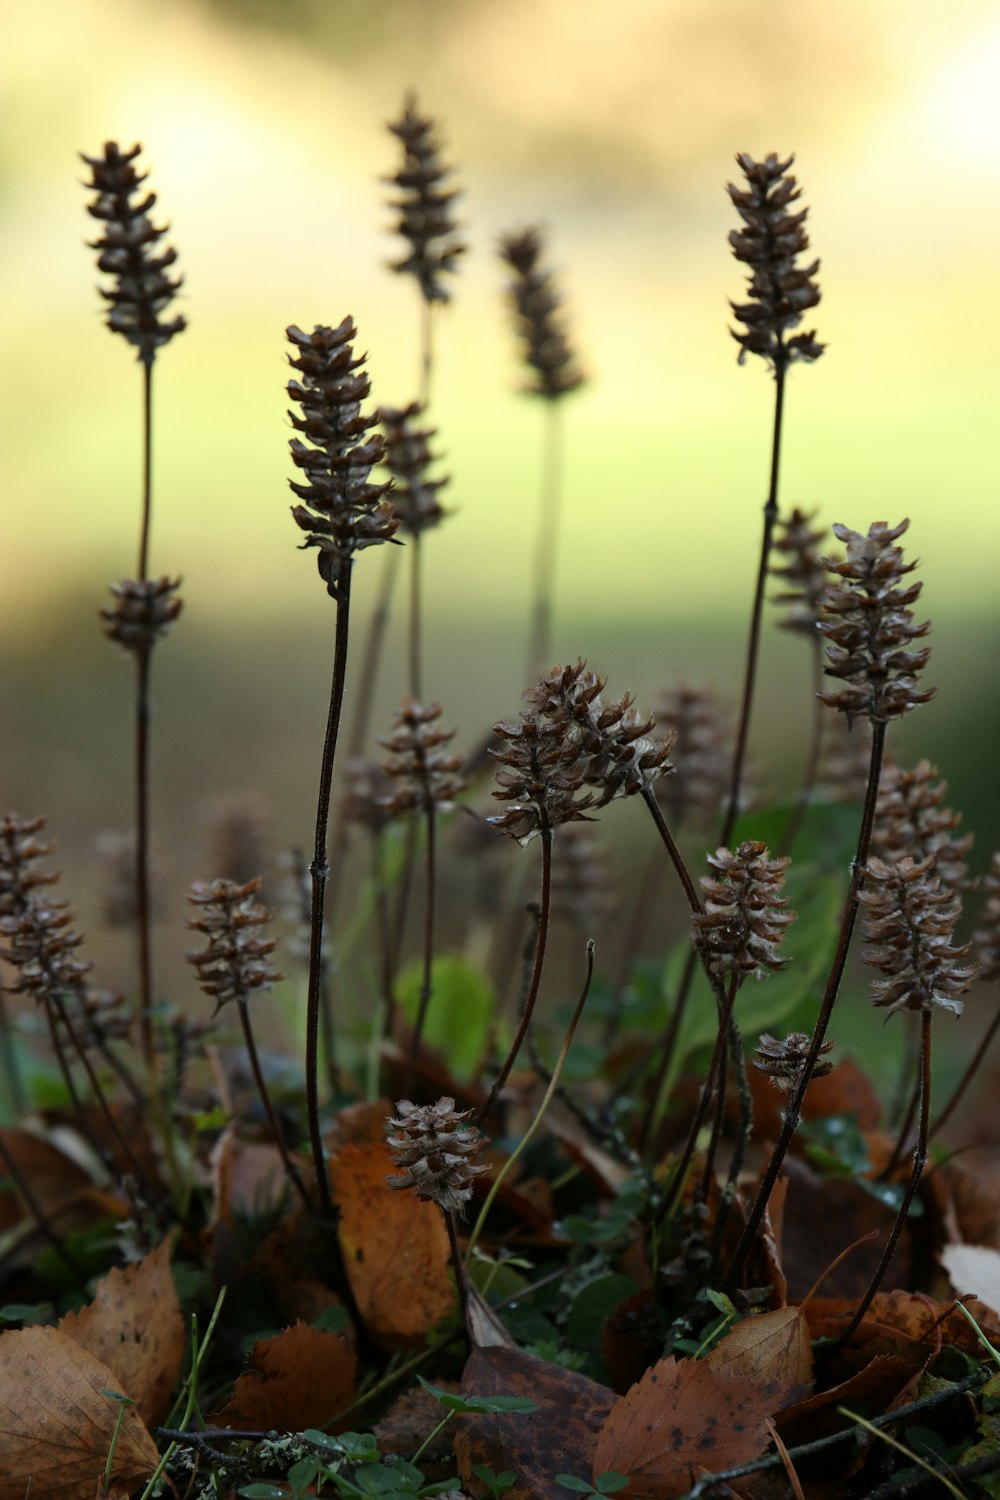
135, 1326
559, 1437
774, 1347
682, 1419
395, 1247
56, 1424
300, 1378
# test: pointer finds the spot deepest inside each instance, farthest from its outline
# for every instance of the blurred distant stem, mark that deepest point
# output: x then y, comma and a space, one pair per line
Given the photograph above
427, 982
143, 662
812, 762
793, 1112
536, 976
753, 647
415, 620
967, 1076
265, 1098
919, 1161
540, 642
319, 870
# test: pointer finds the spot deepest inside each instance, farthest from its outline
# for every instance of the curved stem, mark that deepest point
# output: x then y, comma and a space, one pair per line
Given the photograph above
277, 1135
919, 1160
794, 1110
540, 643
319, 870
753, 646
536, 976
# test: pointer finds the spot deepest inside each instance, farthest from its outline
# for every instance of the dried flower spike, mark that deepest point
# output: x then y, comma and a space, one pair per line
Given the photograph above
541, 776
40, 943
802, 569
424, 205
769, 243
536, 303
700, 754
909, 819
987, 936
421, 774
869, 625
436, 1150
20, 854
343, 510
909, 922
235, 962
130, 253
143, 612
408, 458
744, 917
783, 1062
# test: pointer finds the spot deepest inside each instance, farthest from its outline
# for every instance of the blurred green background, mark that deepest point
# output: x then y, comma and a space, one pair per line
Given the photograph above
612, 126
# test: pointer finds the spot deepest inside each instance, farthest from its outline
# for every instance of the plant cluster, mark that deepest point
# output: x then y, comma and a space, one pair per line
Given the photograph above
595, 1202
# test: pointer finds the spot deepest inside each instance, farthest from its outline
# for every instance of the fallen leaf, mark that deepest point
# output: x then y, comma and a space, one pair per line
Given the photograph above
135, 1326
395, 1246
56, 1423
882, 1384
60, 1186
682, 1419
300, 1378
773, 1347
559, 1437
975, 1269
968, 1202
897, 1320
411, 1419
847, 1090
823, 1215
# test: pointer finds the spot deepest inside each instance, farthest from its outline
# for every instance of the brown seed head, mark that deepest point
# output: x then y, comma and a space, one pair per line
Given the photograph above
796, 560
845, 760
783, 1062
408, 458
130, 254
700, 755
343, 511
143, 612
541, 776
421, 774
424, 205
533, 296
769, 244
582, 883
436, 1150
21, 854
366, 791
41, 945
744, 917
869, 625
987, 935
909, 922
235, 962
238, 834
613, 740
909, 819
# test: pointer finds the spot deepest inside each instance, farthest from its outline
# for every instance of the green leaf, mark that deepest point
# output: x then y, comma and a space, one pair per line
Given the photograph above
262, 1492
610, 1483
460, 1013
593, 1305
22, 1312
570, 1482
478, 1403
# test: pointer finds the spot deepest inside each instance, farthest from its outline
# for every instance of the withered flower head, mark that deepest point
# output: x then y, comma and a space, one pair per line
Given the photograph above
436, 1150
365, 795
143, 612
744, 917
613, 740
783, 1062
987, 936
909, 922
343, 510
582, 884
235, 961
869, 625
909, 819
701, 756
540, 775
116, 861
20, 856
769, 243
424, 205
239, 837
421, 774
408, 458
41, 945
130, 253
796, 560
845, 760
536, 302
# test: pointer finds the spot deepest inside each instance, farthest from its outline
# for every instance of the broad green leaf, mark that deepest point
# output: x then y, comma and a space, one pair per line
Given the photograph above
460, 1012
478, 1403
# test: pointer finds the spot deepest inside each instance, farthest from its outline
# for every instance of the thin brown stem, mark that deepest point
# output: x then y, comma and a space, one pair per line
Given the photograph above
919, 1161
683, 874
904, 1130
540, 643
95, 1084
426, 982
461, 1279
668, 1046
319, 870
794, 1111
142, 891
416, 622
753, 645
36, 1211
536, 976
147, 467
812, 760
277, 1134
967, 1077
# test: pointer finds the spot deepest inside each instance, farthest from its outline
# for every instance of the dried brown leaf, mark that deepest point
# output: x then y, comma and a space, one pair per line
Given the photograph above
395, 1246
300, 1378
772, 1347
559, 1437
682, 1419
56, 1424
135, 1326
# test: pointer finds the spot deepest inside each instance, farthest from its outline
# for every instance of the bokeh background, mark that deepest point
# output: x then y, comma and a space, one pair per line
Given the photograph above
613, 126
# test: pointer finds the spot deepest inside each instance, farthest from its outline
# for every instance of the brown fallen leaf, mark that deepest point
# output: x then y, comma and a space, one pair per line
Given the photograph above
823, 1215
883, 1383
773, 1347
559, 1437
897, 1321
135, 1326
56, 1424
300, 1378
683, 1418
395, 1247
60, 1187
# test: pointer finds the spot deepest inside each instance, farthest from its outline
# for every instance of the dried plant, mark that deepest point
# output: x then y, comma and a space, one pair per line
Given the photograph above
801, 569
425, 205
744, 917
701, 729
436, 1149
238, 834
582, 884
408, 458
910, 820
116, 866
21, 853
783, 1062
987, 936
